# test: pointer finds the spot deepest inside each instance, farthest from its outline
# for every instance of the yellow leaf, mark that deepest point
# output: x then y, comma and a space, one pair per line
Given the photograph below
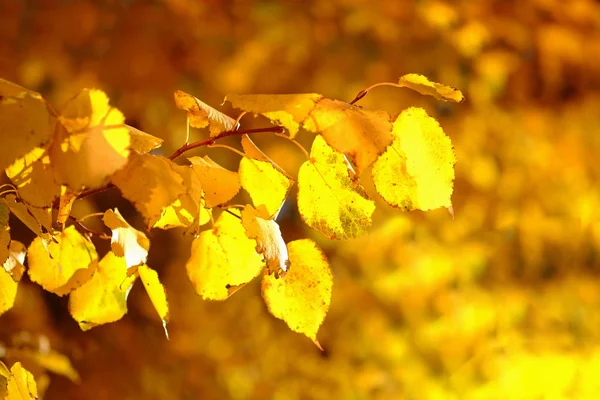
16, 258
8, 291
67, 198
126, 241
91, 142
329, 201
201, 114
50, 360
219, 184
25, 122
21, 385
4, 372
267, 186
141, 141
287, 110
32, 175
417, 170
34, 218
223, 258
62, 264
269, 241
103, 298
157, 293
251, 149
4, 230
424, 86
301, 298
357, 133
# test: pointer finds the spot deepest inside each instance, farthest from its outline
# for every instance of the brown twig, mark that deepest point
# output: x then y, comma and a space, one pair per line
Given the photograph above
364, 92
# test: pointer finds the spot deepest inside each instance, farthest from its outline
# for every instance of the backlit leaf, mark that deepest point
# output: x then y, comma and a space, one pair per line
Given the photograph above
219, 184
16, 258
34, 218
360, 134
103, 298
424, 86
126, 241
141, 141
63, 263
91, 142
201, 114
21, 385
157, 293
287, 110
301, 298
67, 198
223, 258
269, 241
329, 201
8, 291
268, 188
48, 359
417, 170
25, 122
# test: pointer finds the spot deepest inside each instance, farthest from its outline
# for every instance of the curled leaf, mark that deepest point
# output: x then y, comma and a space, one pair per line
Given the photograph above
202, 115
126, 241
424, 86
157, 293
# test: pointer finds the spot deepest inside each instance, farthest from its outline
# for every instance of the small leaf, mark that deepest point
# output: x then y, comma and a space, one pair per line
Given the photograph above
201, 114
141, 141
21, 385
103, 298
329, 201
424, 86
126, 241
417, 170
16, 258
288, 110
67, 198
269, 241
301, 298
62, 264
267, 186
157, 293
219, 184
223, 258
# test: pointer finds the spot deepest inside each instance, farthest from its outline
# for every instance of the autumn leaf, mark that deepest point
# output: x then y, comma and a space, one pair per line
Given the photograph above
25, 122
8, 291
157, 293
103, 298
47, 359
417, 170
268, 187
16, 258
33, 176
202, 115
222, 259
63, 263
329, 201
219, 184
21, 384
359, 134
91, 142
424, 86
67, 199
34, 218
141, 141
4, 230
126, 241
269, 241
11, 271
301, 298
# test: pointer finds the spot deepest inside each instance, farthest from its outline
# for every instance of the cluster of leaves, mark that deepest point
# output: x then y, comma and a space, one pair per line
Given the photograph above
53, 158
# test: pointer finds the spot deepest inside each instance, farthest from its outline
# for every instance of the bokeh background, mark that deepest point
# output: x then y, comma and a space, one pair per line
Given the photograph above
501, 302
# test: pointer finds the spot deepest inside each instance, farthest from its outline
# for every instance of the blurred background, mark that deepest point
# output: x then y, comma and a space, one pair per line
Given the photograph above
501, 302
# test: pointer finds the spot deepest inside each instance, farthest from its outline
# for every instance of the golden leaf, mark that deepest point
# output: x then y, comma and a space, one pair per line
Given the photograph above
219, 184
8, 291
16, 258
103, 298
424, 86
417, 170
62, 264
141, 141
67, 198
329, 201
301, 298
223, 258
21, 385
201, 114
157, 293
126, 241
287, 110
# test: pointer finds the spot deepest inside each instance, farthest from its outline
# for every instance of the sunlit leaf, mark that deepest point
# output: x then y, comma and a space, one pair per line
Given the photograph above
202, 115
424, 86
126, 241
269, 241
16, 258
21, 384
141, 141
64, 263
157, 293
34, 218
103, 298
417, 170
219, 184
91, 142
268, 188
329, 201
25, 122
8, 291
287, 110
301, 298
223, 258
360, 134
67, 198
